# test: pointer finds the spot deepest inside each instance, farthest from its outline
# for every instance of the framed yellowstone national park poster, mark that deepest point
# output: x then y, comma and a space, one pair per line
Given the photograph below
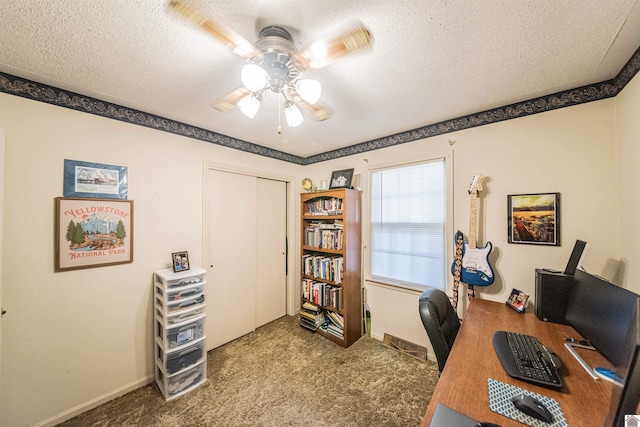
92, 232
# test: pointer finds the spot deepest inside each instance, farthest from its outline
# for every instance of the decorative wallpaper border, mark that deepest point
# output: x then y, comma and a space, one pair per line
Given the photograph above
40, 92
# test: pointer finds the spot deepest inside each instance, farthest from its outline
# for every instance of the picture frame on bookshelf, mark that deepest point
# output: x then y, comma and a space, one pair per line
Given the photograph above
517, 300
180, 261
341, 179
534, 219
92, 232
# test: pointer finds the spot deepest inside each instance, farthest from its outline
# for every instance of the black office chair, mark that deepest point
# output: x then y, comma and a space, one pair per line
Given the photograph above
440, 321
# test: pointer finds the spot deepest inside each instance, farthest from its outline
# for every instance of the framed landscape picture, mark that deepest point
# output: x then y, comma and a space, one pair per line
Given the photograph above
534, 218
92, 233
86, 179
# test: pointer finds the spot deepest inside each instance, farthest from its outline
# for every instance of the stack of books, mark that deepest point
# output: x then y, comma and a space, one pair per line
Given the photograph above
334, 325
311, 316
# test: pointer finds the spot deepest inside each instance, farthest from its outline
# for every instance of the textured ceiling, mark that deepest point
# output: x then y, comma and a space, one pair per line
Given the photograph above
432, 60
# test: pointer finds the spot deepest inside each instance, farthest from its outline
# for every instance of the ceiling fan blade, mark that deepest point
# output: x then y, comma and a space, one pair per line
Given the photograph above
325, 51
317, 111
229, 102
216, 28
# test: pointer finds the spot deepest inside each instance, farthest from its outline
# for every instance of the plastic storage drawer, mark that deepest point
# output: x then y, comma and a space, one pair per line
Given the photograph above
177, 385
168, 279
175, 361
177, 296
182, 335
183, 314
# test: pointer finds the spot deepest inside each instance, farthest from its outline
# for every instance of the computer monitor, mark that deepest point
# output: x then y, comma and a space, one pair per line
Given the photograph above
575, 260
625, 398
608, 316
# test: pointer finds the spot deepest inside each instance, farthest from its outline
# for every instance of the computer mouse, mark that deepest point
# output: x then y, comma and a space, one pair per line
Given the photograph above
532, 407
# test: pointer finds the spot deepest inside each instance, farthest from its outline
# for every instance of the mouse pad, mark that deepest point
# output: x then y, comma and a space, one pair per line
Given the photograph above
500, 395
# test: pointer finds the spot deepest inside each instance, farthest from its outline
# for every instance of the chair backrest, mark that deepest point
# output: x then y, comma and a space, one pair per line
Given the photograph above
440, 321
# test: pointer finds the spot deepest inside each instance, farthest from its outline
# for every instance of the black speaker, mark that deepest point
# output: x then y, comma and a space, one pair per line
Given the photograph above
552, 295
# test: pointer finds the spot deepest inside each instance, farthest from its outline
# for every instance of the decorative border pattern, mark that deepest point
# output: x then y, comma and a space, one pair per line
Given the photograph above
40, 92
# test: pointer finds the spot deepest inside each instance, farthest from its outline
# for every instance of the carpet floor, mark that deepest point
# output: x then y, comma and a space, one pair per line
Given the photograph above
284, 375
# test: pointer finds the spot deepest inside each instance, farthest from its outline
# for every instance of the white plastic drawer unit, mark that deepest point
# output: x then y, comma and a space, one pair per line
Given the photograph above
180, 335
177, 385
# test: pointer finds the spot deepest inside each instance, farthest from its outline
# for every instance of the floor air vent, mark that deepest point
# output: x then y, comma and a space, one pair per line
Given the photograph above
405, 346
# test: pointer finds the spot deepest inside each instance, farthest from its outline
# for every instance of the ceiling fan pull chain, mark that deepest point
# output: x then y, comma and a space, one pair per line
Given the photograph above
279, 116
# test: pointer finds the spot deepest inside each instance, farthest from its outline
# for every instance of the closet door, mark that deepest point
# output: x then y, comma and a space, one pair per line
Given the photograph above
245, 227
231, 256
271, 283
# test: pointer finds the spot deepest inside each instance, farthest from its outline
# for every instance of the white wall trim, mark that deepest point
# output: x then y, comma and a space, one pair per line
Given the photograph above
77, 410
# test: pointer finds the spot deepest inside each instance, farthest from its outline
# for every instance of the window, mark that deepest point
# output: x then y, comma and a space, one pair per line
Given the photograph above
408, 213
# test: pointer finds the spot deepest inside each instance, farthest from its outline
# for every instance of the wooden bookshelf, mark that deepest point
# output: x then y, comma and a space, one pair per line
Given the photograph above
331, 282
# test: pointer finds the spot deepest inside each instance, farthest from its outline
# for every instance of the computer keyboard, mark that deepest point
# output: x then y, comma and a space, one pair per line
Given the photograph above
523, 357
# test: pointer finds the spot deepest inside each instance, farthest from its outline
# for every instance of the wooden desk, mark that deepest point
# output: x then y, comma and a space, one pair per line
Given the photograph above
463, 383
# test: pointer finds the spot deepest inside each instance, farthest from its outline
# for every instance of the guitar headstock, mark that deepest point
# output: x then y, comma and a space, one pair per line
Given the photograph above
476, 184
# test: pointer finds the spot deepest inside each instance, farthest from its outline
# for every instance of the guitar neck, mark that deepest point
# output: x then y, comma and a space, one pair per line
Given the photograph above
473, 221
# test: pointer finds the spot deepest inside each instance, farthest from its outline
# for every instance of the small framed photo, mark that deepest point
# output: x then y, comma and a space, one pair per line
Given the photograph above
534, 218
341, 179
180, 261
517, 300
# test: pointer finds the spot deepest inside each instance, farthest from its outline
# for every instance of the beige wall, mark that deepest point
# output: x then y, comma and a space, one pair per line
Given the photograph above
628, 152
71, 340
571, 151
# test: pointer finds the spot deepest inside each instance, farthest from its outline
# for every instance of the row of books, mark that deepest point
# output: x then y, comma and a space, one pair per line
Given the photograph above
312, 317
322, 293
325, 206
323, 238
323, 267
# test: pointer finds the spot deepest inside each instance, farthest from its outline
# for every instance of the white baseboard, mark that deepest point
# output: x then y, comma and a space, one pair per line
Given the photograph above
84, 407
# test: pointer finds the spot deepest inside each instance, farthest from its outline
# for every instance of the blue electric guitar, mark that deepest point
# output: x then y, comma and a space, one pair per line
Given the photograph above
475, 270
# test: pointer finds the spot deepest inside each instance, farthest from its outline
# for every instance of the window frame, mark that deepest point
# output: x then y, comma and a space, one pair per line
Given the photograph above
448, 226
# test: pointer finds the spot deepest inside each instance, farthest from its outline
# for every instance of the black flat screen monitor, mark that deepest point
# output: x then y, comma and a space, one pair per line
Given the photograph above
575, 260
604, 314
625, 398
609, 317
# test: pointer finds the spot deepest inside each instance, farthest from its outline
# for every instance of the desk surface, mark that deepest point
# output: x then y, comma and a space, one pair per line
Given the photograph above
463, 383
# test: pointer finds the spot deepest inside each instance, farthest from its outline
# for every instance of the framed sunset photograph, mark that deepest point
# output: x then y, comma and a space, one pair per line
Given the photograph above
534, 218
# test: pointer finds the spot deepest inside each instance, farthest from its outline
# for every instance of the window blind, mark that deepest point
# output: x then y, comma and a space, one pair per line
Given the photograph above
408, 213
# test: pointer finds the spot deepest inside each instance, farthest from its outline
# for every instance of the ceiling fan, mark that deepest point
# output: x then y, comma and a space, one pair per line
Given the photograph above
275, 64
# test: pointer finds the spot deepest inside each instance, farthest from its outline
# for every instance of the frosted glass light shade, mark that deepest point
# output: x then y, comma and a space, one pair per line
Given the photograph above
309, 90
254, 77
249, 105
292, 115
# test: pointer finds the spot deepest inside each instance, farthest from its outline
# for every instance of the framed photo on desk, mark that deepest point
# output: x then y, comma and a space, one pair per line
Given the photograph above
517, 300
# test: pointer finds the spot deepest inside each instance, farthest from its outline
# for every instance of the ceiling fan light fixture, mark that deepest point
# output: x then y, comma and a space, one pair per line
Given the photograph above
309, 90
292, 114
249, 106
254, 77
